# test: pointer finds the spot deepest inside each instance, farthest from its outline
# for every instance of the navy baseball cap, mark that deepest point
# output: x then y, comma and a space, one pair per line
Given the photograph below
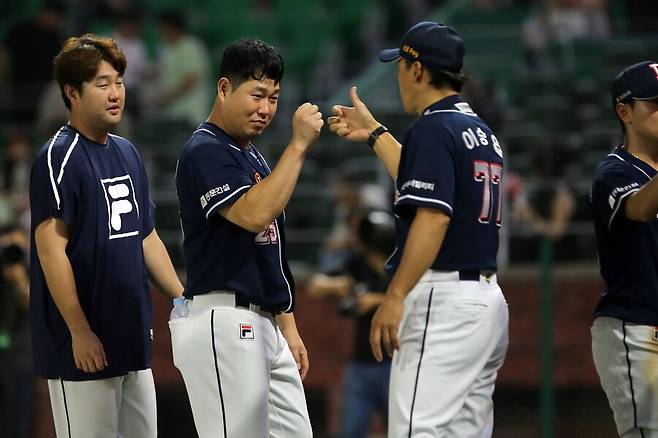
637, 82
433, 44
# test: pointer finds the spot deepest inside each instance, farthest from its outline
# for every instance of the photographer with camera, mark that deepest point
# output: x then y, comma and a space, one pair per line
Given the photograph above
15, 349
360, 285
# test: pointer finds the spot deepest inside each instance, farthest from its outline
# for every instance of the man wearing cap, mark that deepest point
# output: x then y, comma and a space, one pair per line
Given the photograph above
444, 317
625, 207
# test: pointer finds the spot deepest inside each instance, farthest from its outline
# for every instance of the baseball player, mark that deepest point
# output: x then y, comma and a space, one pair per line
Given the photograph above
239, 351
93, 244
624, 201
443, 314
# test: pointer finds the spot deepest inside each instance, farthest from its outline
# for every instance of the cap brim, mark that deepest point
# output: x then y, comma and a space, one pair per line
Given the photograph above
646, 98
389, 55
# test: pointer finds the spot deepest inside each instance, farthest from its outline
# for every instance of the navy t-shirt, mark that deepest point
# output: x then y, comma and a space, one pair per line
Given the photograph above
628, 250
451, 161
101, 192
212, 173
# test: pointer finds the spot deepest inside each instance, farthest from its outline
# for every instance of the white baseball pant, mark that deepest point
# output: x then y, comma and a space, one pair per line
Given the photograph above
240, 375
453, 340
121, 406
626, 359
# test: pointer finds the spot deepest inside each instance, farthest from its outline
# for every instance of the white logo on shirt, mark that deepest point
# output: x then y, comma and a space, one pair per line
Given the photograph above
213, 192
122, 208
417, 185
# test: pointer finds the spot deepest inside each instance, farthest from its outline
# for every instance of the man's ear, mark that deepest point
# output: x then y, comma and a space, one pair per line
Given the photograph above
224, 87
71, 93
624, 112
418, 71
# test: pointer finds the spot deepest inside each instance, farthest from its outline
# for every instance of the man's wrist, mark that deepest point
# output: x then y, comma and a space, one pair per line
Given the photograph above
374, 135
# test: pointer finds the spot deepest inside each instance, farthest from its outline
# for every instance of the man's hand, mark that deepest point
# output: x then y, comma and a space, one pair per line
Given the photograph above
306, 125
88, 351
288, 327
298, 350
385, 324
353, 123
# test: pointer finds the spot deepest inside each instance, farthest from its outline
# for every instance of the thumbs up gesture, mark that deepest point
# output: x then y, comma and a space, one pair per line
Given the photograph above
353, 123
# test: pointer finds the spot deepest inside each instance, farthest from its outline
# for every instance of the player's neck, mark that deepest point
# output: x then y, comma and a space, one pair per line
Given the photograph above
431, 96
645, 151
83, 127
216, 119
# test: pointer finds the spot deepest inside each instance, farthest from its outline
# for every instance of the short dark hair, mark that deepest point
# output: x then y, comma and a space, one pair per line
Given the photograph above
79, 58
248, 59
442, 78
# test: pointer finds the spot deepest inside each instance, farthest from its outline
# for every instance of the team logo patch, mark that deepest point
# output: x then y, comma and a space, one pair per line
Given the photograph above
122, 208
246, 331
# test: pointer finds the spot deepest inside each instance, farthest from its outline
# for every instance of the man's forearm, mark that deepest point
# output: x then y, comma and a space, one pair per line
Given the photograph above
265, 201
51, 238
160, 267
643, 204
61, 284
286, 322
388, 149
420, 250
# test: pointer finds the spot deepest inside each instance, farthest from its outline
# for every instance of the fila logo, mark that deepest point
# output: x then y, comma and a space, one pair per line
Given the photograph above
655, 69
122, 207
246, 331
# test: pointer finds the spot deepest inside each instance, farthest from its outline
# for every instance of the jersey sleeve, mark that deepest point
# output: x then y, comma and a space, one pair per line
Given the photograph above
55, 190
611, 190
426, 177
218, 179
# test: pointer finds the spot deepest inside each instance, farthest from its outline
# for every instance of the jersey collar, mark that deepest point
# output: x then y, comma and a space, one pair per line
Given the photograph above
447, 103
620, 151
219, 133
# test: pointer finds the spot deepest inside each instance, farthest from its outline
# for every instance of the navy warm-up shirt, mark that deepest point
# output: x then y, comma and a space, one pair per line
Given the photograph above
101, 192
212, 173
628, 250
451, 161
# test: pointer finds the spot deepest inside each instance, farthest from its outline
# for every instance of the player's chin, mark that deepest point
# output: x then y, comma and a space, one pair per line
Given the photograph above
255, 130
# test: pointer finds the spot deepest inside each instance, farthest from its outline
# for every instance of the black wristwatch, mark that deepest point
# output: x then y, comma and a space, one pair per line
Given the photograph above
374, 135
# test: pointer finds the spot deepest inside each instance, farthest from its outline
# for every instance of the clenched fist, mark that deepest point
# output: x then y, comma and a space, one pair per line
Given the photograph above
306, 124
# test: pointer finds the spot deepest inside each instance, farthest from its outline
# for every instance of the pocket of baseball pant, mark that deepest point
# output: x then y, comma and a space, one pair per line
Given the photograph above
469, 307
177, 330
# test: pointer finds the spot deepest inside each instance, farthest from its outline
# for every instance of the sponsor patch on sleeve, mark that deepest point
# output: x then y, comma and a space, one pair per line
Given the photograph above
422, 185
205, 199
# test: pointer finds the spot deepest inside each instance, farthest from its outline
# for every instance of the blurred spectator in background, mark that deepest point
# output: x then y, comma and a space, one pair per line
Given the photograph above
128, 36
183, 72
16, 377
350, 199
549, 208
562, 21
51, 112
15, 180
360, 284
28, 50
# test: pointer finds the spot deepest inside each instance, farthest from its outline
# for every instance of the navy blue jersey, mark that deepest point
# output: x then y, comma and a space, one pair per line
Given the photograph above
212, 173
628, 250
451, 161
101, 192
